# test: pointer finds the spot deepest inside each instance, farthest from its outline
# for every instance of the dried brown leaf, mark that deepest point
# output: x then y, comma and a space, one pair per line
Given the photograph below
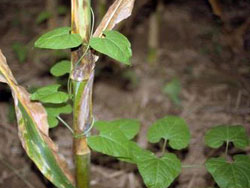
39, 125
118, 11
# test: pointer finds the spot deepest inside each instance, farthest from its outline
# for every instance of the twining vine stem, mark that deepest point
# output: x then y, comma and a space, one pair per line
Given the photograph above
73, 132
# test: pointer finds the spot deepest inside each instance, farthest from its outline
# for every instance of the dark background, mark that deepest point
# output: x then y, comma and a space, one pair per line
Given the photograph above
207, 54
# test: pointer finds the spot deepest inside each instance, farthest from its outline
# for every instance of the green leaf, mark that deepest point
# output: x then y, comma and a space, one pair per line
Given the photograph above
131, 78
159, 172
111, 142
156, 173
53, 121
216, 136
43, 16
57, 109
129, 127
54, 110
171, 128
20, 51
61, 68
173, 89
114, 45
50, 94
59, 38
234, 174
138, 154
62, 10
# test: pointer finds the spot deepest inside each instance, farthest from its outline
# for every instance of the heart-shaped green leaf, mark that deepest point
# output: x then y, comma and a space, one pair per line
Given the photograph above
50, 94
62, 10
173, 89
129, 127
216, 136
21, 51
171, 128
159, 172
61, 68
43, 16
230, 174
111, 142
59, 38
54, 110
156, 173
114, 45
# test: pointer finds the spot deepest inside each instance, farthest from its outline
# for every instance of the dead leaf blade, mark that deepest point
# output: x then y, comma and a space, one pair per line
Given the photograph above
33, 132
118, 11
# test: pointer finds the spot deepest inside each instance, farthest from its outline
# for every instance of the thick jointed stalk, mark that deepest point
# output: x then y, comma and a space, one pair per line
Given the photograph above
82, 76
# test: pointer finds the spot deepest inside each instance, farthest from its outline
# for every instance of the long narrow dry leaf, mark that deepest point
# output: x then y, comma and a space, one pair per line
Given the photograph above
33, 132
118, 11
216, 7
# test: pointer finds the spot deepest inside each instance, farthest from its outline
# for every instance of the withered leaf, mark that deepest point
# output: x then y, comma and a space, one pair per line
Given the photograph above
118, 11
33, 132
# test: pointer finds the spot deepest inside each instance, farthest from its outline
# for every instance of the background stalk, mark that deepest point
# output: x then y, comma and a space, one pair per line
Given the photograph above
101, 9
153, 34
82, 76
52, 5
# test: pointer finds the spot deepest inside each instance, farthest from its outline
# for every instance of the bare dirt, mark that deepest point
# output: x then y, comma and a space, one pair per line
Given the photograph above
193, 48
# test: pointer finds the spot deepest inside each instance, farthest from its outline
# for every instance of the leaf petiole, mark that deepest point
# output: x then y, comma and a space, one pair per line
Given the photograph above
227, 145
72, 131
66, 124
164, 147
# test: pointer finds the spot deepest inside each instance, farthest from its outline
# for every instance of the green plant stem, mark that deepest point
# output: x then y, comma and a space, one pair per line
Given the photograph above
164, 147
226, 151
82, 76
153, 38
82, 121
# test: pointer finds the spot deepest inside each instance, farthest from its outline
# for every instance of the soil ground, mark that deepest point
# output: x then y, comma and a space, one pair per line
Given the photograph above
214, 76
